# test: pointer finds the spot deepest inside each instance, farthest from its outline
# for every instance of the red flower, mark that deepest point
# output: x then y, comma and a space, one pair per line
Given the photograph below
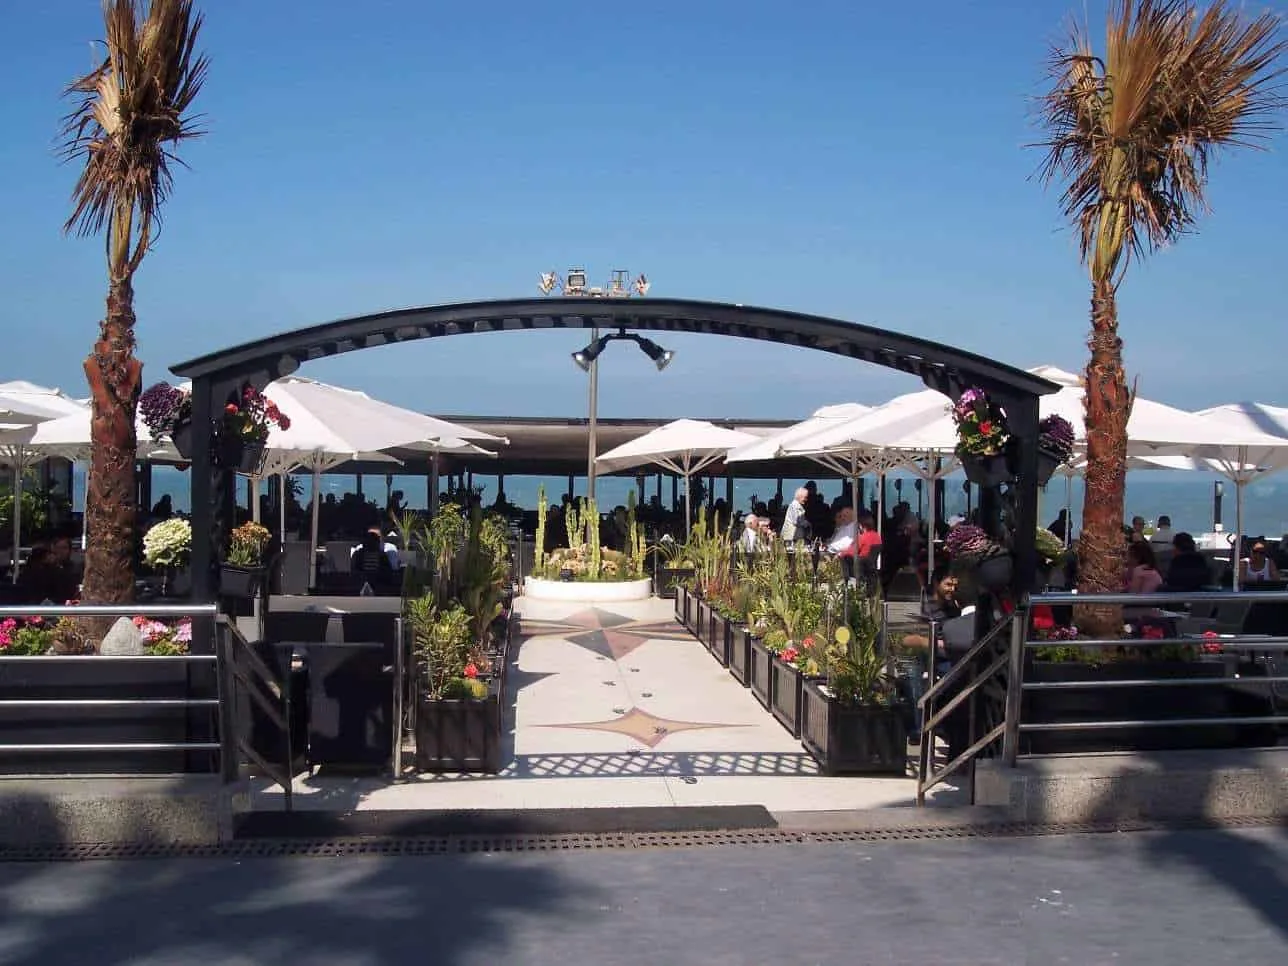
986, 427
231, 409
471, 671
790, 655
809, 640
1043, 618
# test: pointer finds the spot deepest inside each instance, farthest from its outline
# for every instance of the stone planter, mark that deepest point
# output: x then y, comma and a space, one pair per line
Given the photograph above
853, 739
740, 653
458, 734
760, 664
591, 592
1144, 703
785, 696
106, 679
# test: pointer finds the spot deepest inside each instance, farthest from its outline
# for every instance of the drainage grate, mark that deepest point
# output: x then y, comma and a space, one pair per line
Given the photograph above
591, 842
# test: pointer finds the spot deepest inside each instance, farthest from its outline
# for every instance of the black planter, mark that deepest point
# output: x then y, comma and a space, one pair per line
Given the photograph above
740, 653
702, 621
785, 696
681, 602
60, 678
232, 453
1145, 703
690, 610
240, 581
718, 642
853, 739
182, 439
668, 580
760, 664
350, 705
1048, 463
458, 734
988, 471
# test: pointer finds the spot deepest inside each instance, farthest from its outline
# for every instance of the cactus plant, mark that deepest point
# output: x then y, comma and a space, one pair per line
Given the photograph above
591, 515
539, 552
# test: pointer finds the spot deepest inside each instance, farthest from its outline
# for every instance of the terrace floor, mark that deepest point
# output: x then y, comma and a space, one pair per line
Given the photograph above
617, 706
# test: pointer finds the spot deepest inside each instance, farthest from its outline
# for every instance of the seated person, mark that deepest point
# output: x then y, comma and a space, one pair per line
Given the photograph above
846, 530
391, 550
1142, 573
943, 607
1189, 571
1257, 567
370, 562
48, 575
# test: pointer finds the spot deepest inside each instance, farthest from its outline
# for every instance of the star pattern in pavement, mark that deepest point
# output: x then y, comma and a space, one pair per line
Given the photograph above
648, 729
605, 633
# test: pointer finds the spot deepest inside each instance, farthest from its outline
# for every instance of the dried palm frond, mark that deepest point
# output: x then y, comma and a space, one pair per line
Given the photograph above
1131, 134
132, 112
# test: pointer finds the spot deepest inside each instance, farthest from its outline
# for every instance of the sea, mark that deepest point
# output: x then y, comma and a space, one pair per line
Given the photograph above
1189, 498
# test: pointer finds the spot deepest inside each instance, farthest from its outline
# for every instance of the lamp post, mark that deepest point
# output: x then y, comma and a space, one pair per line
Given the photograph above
574, 286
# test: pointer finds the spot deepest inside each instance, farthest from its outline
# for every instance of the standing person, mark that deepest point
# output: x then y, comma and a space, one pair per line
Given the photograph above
1163, 532
796, 526
750, 541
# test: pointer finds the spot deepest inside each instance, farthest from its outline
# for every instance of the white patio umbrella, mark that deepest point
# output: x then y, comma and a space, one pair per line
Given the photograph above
24, 406
685, 447
768, 447
1245, 460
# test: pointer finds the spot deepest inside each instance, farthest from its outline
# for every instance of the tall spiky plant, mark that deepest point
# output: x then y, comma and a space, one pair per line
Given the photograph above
1130, 136
133, 111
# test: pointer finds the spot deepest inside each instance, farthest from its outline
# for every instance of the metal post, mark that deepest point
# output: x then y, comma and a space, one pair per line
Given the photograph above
204, 495
1014, 687
229, 759
433, 484
593, 424
399, 673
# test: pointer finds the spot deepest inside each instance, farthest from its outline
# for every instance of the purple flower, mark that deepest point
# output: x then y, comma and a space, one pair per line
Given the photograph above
1056, 437
966, 540
162, 407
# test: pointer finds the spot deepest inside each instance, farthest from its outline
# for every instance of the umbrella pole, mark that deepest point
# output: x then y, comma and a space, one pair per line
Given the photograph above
253, 483
931, 532
688, 510
1068, 508
281, 508
1239, 483
313, 541
17, 513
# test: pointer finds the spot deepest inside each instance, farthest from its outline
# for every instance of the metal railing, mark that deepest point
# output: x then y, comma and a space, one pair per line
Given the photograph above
989, 662
1267, 646
961, 684
243, 673
140, 748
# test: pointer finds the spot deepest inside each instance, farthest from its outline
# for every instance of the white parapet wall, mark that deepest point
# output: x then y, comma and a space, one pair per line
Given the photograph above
591, 592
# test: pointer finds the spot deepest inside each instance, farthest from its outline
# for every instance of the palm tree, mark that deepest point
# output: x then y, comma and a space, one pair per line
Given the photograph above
131, 113
1130, 136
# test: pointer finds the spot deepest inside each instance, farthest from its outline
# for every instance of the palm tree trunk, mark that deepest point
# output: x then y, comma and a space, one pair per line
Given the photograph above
1101, 548
114, 377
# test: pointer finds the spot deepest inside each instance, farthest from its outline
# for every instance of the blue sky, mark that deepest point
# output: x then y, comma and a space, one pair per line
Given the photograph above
855, 160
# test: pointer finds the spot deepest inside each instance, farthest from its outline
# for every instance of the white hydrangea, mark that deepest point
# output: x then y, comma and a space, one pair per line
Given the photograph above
168, 543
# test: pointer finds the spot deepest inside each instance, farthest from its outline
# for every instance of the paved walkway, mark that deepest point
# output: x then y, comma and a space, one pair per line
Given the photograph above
619, 706
1160, 898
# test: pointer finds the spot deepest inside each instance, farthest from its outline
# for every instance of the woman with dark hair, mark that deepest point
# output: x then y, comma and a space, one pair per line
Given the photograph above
1142, 573
1189, 571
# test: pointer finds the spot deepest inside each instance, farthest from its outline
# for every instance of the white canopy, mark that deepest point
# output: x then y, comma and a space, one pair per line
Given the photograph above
769, 447
685, 447
23, 403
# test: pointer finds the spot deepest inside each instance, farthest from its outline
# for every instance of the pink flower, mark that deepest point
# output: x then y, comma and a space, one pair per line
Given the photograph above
183, 633
471, 671
790, 654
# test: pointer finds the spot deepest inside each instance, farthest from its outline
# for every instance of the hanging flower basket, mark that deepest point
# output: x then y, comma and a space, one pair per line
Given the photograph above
240, 581
994, 573
1055, 446
236, 454
988, 471
182, 439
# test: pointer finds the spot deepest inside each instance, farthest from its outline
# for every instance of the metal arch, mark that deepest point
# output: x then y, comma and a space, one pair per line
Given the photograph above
940, 367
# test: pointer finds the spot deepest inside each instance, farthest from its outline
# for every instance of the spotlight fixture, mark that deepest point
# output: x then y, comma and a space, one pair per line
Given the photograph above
584, 357
661, 357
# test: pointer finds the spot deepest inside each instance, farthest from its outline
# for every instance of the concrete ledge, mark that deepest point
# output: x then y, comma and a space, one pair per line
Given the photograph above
177, 810
1160, 786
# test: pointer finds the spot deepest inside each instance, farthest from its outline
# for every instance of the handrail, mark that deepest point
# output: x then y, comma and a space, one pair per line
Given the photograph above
928, 777
1067, 598
238, 664
109, 610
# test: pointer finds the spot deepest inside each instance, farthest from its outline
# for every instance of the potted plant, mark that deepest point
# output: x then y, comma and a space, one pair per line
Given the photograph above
856, 722
243, 431
1050, 552
971, 549
458, 721
983, 439
739, 649
166, 410
167, 547
792, 666
1055, 446
241, 574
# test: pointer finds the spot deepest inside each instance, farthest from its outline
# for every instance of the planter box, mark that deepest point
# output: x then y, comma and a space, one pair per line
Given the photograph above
458, 735
240, 581
681, 605
718, 643
988, 471
63, 678
760, 665
856, 740
702, 623
740, 653
1143, 703
785, 696
667, 581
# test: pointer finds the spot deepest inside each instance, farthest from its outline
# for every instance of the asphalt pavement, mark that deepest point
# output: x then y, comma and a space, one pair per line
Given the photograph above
1180, 897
